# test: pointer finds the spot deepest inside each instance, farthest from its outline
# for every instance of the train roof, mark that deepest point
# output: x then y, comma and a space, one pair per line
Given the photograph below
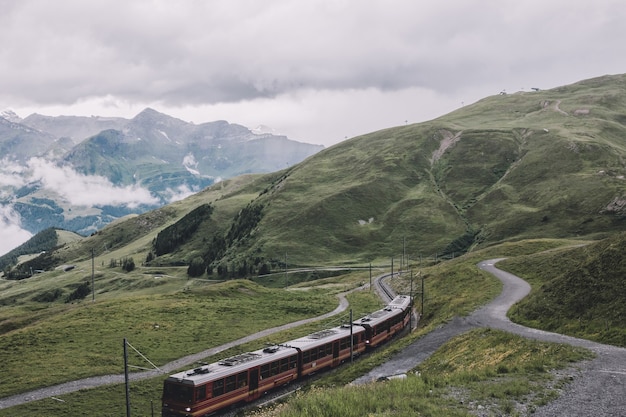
232, 365
323, 337
395, 307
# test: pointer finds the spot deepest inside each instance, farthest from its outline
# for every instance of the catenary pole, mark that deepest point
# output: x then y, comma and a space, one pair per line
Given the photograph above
351, 339
126, 379
93, 286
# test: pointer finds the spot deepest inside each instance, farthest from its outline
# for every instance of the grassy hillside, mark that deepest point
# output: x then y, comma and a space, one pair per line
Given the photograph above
529, 165
43, 241
579, 291
546, 164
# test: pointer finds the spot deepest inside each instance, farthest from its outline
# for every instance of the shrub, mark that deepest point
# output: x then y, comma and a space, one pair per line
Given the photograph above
79, 293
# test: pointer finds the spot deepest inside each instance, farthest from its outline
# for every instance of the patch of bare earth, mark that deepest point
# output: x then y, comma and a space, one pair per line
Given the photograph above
448, 140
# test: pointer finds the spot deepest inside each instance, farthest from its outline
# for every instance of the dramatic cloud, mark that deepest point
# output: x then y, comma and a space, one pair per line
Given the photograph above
235, 59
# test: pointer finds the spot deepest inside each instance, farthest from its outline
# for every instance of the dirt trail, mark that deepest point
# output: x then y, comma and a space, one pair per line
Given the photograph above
598, 387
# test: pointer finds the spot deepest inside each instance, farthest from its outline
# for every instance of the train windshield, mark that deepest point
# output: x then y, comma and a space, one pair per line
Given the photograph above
177, 393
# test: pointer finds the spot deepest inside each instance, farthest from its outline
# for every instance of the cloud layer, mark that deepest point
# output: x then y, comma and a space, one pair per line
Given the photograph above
242, 59
75, 189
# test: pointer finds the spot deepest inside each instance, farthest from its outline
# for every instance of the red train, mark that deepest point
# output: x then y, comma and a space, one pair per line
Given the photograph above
243, 378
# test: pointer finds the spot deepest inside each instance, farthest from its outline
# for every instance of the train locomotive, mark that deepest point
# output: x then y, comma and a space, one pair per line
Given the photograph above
246, 377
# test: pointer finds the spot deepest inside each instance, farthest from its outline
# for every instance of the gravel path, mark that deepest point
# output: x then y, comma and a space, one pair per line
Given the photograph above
166, 369
598, 387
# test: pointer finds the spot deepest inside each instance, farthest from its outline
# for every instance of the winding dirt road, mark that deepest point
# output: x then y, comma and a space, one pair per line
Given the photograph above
598, 387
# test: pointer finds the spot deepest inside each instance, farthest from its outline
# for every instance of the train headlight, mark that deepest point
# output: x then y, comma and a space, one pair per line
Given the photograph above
188, 409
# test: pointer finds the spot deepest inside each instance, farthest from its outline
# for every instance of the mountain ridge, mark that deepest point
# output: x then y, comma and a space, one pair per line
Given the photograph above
157, 153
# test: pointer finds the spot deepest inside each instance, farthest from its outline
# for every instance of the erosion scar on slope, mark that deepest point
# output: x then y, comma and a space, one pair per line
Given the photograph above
448, 140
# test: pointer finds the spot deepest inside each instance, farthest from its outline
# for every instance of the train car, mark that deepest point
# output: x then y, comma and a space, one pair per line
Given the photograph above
245, 377
327, 348
383, 324
242, 378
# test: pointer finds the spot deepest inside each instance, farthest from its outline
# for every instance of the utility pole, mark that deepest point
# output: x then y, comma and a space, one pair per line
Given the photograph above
126, 379
411, 304
422, 314
351, 340
370, 276
93, 286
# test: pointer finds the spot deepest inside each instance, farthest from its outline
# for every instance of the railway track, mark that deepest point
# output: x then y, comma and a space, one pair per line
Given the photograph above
385, 292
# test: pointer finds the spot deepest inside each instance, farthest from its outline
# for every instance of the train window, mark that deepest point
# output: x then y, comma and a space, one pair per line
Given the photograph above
355, 339
230, 383
313, 354
177, 393
218, 387
329, 349
306, 357
242, 379
345, 343
284, 365
200, 393
274, 368
293, 362
265, 371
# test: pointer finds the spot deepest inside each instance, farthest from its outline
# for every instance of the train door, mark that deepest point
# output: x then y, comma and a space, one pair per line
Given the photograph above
254, 382
336, 353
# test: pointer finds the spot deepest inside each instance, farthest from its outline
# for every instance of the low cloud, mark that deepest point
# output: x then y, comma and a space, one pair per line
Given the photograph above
179, 193
78, 189
75, 189
12, 234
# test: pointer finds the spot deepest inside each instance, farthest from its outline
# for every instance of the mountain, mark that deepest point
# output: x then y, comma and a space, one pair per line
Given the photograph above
509, 167
43, 241
154, 157
185, 153
75, 128
19, 142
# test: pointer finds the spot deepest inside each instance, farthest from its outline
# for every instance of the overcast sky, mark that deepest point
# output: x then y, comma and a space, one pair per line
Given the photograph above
317, 71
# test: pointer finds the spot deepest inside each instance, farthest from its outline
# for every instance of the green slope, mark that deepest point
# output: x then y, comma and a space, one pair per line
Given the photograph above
579, 291
528, 165
508, 167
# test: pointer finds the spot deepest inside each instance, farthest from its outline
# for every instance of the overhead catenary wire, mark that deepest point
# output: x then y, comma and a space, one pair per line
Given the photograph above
144, 358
